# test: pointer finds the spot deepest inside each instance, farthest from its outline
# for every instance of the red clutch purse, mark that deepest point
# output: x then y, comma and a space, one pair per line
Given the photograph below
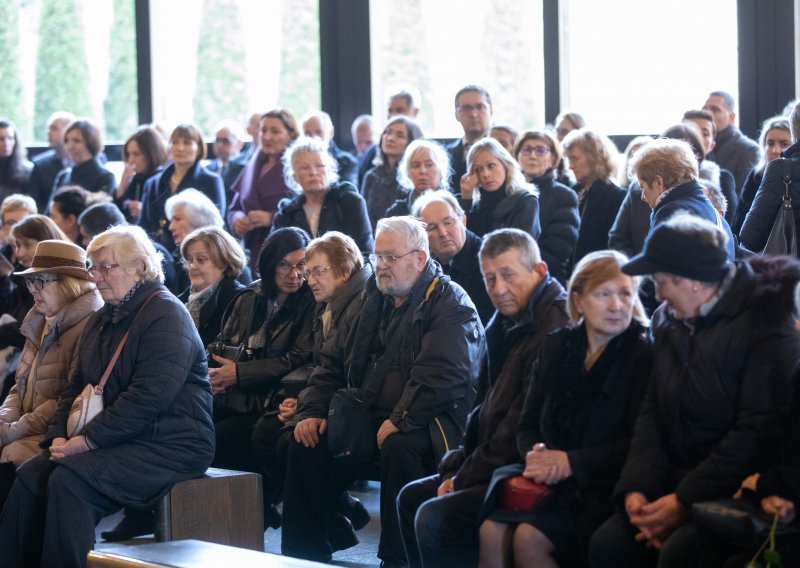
520, 493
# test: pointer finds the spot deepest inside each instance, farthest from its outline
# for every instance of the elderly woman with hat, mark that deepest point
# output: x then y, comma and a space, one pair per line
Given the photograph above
724, 352
64, 298
154, 430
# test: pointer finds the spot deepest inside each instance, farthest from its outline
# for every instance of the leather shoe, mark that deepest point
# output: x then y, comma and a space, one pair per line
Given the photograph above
354, 510
272, 518
341, 533
134, 523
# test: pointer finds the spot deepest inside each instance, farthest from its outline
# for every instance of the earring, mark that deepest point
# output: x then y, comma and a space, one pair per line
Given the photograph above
695, 289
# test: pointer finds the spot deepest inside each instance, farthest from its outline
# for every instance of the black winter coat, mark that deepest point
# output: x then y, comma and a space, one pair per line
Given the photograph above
689, 198
512, 349
438, 359
746, 199
758, 223
153, 218
719, 389
560, 224
495, 210
289, 345
156, 428
343, 210
632, 224
598, 210
90, 175
212, 311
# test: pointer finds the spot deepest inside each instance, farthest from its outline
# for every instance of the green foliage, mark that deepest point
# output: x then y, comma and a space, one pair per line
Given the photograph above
771, 557
120, 106
62, 73
300, 66
11, 106
221, 83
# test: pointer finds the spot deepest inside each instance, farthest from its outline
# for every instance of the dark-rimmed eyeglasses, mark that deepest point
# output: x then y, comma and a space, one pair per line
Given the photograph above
283, 268
538, 150
38, 283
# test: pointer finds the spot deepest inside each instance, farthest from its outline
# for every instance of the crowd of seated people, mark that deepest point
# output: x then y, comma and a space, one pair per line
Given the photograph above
484, 298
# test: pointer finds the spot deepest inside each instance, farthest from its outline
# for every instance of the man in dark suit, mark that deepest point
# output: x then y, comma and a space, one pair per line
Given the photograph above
454, 246
318, 124
228, 162
474, 112
734, 151
47, 165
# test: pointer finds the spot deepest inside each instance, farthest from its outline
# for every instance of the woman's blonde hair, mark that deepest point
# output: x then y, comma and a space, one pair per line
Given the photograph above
590, 272
600, 151
515, 179
132, 249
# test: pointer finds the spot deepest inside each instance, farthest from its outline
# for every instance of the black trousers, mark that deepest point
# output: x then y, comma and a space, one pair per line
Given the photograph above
50, 517
233, 449
314, 483
270, 448
440, 531
8, 473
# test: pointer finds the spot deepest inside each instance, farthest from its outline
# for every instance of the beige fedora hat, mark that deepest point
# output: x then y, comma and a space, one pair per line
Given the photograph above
58, 257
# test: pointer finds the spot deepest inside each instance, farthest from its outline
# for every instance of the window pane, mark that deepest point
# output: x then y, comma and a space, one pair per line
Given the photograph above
253, 56
69, 55
438, 46
634, 67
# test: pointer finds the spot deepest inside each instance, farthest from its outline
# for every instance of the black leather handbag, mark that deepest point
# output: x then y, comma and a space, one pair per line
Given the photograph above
739, 522
783, 236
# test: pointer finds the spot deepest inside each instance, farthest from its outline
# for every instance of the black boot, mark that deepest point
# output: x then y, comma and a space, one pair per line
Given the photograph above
135, 523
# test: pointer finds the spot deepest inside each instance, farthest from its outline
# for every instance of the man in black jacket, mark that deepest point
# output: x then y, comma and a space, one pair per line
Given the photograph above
474, 112
439, 514
454, 246
47, 165
429, 328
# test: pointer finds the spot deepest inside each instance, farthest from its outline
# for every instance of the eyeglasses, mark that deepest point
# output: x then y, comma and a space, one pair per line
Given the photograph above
318, 271
538, 150
38, 283
480, 107
283, 268
103, 269
198, 261
447, 223
222, 141
388, 259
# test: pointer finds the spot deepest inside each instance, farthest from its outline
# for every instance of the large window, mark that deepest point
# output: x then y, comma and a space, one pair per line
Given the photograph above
633, 67
68, 55
216, 59
438, 46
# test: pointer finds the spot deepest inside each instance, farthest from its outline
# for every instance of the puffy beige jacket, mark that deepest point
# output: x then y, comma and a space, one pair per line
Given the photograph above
20, 432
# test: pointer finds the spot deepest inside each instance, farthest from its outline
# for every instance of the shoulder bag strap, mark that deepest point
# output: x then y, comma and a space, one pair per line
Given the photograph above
787, 177
101, 385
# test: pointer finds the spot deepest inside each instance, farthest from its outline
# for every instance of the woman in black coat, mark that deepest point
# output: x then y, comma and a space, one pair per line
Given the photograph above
322, 202
15, 169
144, 155
592, 158
187, 148
425, 166
84, 144
495, 194
539, 154
576, 422
154, 431
214, 261
269, 325
724, 351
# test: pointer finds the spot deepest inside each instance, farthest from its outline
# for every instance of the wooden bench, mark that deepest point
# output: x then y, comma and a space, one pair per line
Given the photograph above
223, 506
189, 554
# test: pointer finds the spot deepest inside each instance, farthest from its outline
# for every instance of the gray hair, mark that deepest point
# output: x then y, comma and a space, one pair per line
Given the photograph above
412, 230
308, 145
725, 96
324, 119
499, 241
408, 92
233, 126
132, 249
437, 196
200, 210
359, 120
438, 155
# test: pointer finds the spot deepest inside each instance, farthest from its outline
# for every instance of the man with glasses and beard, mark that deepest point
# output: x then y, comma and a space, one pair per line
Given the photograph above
430, 330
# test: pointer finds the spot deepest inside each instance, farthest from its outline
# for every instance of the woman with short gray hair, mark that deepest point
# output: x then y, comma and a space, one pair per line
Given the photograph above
322, 203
